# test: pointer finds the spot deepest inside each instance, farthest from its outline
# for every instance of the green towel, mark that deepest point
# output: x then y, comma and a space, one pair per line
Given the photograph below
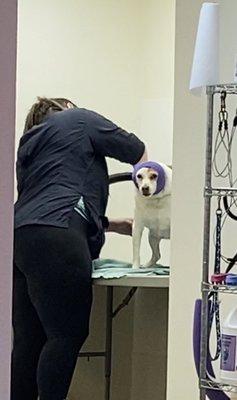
109, 269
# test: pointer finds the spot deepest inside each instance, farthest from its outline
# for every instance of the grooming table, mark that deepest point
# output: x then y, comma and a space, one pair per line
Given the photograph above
135, 281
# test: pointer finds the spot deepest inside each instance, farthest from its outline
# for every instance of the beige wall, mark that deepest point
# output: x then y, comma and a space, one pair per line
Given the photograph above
123, 70
188, 146
116, 58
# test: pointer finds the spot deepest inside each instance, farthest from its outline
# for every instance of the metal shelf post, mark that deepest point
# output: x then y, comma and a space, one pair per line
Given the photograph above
206, 242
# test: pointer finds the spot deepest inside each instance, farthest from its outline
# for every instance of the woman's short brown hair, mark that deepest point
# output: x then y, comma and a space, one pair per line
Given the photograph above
43, 107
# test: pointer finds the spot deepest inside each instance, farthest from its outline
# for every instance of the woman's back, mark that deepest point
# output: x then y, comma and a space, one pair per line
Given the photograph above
56, 164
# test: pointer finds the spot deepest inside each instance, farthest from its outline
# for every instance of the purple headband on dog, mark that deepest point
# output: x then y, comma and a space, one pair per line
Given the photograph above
156, 167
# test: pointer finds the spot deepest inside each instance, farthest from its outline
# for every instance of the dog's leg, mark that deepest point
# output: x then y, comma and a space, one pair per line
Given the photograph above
155, 247
136, 239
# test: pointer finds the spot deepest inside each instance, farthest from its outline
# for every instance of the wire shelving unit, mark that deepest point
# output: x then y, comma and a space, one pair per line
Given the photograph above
206, 287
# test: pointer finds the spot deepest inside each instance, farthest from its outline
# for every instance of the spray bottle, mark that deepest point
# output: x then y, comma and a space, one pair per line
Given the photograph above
228, 370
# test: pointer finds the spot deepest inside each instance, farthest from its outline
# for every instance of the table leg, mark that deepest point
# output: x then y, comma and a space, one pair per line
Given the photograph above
108, 343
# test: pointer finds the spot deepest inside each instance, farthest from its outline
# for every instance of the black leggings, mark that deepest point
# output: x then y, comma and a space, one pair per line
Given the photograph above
52, 296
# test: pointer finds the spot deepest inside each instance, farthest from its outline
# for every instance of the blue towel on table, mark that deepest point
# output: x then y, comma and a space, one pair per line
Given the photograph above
108, 269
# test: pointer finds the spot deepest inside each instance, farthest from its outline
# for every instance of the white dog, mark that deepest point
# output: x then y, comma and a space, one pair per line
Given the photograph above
152, 207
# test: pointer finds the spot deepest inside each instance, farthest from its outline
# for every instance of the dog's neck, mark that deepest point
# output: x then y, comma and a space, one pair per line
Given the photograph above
152, 201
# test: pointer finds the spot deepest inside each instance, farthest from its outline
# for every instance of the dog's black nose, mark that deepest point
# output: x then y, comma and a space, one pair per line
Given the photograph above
145, 190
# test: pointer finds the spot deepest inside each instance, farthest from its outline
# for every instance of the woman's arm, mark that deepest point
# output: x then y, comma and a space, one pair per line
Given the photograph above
120, 226
109, 140
144, 156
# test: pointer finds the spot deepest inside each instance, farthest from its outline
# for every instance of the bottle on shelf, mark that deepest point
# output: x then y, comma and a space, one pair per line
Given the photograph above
228, 369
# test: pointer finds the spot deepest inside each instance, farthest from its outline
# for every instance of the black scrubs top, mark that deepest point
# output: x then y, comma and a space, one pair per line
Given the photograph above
61, 160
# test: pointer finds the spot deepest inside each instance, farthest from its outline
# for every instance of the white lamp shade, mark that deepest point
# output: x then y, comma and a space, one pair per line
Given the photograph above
205, 68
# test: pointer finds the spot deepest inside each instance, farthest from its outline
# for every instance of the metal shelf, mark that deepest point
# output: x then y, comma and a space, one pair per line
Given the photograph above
209, 287
210, 384
229, 88
220, 191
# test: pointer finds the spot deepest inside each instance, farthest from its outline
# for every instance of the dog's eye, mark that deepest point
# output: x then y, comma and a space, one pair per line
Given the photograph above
139, 176
153, 176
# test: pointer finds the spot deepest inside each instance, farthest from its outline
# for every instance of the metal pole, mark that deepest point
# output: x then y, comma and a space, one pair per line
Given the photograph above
108, 343
206, 239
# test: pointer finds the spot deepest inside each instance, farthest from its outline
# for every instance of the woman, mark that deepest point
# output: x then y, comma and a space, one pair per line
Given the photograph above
59, 228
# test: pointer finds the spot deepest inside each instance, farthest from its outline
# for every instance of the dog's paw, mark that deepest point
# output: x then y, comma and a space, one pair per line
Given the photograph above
136, 266
149, 264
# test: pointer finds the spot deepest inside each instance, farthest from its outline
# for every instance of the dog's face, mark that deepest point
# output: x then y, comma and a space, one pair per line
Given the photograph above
146, 179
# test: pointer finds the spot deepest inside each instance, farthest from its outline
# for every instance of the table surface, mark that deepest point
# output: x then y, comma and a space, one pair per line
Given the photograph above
136, 280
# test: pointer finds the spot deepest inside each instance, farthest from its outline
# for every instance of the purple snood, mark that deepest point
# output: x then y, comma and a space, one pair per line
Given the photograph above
156, 167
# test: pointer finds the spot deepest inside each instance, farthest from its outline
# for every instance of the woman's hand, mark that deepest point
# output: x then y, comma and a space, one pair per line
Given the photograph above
121, 226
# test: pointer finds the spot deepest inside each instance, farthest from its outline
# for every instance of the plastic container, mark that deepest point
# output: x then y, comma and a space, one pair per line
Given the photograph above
231, 280
228, 369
